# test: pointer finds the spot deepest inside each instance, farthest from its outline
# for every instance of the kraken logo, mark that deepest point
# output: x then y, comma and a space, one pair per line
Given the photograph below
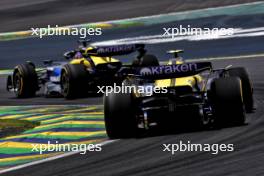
145, 71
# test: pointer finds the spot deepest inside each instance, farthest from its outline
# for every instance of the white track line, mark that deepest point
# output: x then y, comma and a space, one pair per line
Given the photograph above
228, 58
176, 13
223, 58
161, 38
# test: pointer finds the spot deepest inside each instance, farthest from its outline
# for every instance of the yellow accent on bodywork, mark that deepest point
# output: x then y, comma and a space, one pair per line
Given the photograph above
184, 81
97, 60
103, 60
81, 61
177, 62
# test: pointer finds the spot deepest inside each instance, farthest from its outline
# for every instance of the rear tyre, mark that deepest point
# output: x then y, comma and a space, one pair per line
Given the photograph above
74, 81
25, 81
246, 86
120, 119
228, 102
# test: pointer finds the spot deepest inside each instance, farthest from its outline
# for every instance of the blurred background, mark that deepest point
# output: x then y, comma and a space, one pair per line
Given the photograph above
23, 14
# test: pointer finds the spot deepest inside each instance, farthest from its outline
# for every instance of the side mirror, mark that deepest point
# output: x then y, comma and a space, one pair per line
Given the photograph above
69, 54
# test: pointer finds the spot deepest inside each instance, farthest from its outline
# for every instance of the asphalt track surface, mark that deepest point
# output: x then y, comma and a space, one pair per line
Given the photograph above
145, 156
23, 14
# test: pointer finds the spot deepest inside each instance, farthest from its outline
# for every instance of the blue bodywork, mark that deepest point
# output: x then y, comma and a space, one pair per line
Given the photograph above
52, 85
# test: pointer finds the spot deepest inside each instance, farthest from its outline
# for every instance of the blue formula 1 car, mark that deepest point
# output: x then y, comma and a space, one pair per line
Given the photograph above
26, 80
87, 67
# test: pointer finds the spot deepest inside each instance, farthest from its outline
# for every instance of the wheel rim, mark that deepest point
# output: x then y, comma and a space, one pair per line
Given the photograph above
65, 84
18, 84
206, 120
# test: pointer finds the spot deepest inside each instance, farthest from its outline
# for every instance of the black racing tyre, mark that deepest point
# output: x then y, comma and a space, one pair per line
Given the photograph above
25, 80
227, 101
74, 81
246, 86
149, 60
119, 115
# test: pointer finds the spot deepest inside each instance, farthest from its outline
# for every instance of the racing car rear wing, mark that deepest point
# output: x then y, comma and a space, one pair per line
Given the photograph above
108, 51
167, 71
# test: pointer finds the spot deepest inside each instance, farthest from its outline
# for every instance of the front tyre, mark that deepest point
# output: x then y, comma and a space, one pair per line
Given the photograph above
74, 81
25, 81
120, 119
